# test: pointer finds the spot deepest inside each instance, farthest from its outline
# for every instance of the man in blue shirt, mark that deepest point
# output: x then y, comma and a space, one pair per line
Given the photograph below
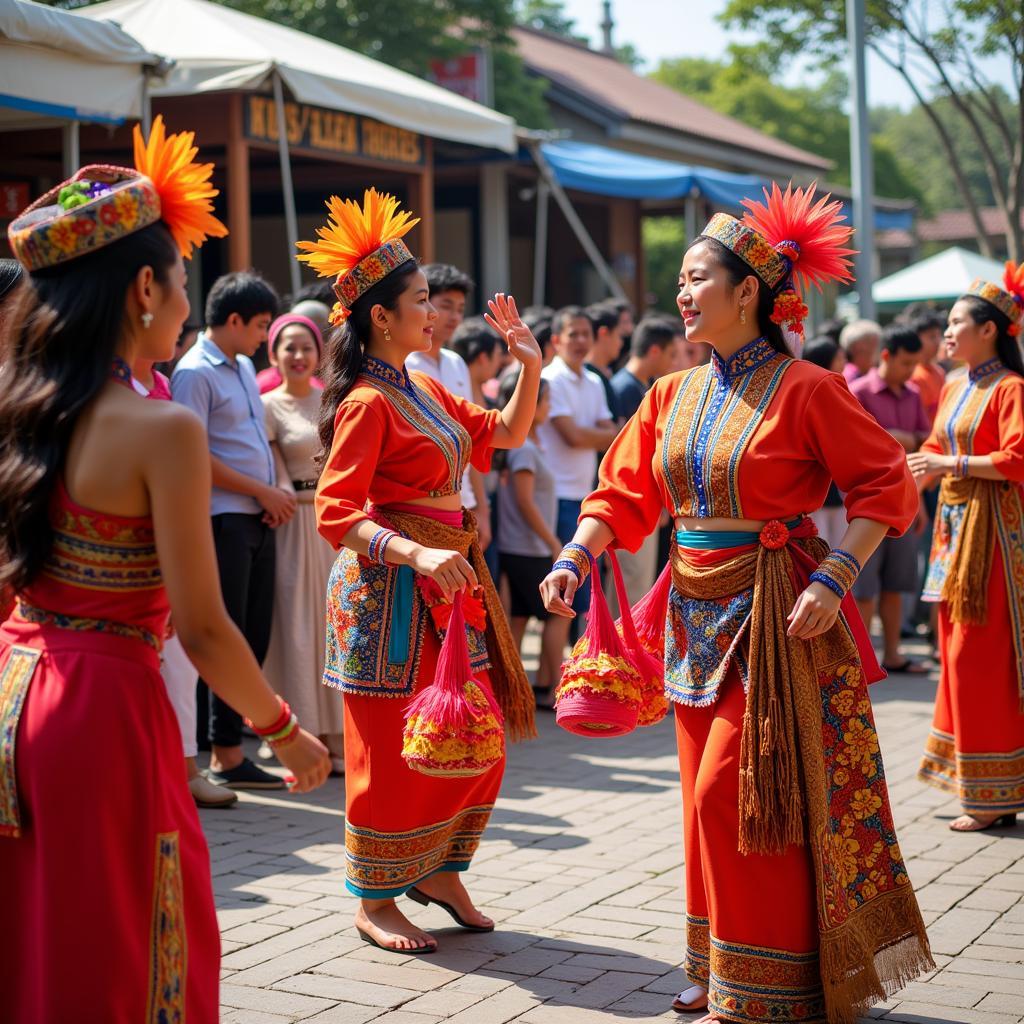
216, 379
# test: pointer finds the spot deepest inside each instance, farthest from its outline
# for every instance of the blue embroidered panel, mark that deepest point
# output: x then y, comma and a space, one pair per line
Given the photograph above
701, 639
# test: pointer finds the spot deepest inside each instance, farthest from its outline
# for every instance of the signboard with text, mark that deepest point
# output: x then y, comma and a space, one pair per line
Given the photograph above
464, 75
332, 132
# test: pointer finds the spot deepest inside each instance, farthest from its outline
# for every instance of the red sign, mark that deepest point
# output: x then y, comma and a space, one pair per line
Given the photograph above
462, 75
13, 198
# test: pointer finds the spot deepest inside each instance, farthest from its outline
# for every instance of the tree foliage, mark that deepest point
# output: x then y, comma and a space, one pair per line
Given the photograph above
935, 49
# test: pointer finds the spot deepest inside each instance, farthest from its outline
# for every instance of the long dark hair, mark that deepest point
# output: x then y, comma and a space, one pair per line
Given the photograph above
55, 357
737, 271
345, 346
1007, 348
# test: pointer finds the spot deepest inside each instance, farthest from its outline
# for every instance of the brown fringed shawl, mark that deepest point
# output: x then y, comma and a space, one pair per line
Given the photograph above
508, 679
811, 772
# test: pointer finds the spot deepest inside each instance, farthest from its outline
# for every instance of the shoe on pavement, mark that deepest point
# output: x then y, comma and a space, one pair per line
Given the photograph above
208, 794
245, 776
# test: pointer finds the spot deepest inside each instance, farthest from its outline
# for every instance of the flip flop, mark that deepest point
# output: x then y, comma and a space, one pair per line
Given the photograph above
697, 1005
367, 937
420, 897
1003, 821
908, 668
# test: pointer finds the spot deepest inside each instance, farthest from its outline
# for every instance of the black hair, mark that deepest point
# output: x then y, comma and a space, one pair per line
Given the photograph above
566, 313
620, 305
1007, 347
315, 291
56, 352
603, 314
654, 332
11, 274
473, 338
244, 292
344, 348
507, 385
738, 271
831, 329
928, 320
821, 351
900, 338
538, 319
443, 277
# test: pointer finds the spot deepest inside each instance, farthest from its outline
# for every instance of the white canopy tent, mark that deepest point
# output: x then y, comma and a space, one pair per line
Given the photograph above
940, 278
217, 49
56, 64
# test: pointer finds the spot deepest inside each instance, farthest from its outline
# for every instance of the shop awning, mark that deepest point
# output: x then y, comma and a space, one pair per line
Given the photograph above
940, 278
56, 63
613, 172
217, 49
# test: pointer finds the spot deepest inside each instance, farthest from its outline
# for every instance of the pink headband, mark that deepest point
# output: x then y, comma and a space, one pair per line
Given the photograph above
293, 318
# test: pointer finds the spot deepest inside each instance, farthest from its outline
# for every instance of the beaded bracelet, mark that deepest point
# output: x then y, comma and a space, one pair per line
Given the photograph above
379, 544
577, 559
837, 571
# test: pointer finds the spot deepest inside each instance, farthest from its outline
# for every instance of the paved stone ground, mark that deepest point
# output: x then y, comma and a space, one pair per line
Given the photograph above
582, 868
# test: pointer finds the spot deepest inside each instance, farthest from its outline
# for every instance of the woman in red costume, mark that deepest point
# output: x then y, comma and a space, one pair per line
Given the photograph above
798, 903
976, 746
397, 445
108, 913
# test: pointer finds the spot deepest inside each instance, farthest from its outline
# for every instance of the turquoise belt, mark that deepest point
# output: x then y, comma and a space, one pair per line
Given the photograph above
720, 540
401, 613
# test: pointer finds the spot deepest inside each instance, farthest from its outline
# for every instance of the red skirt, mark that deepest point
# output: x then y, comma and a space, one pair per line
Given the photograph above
108, 908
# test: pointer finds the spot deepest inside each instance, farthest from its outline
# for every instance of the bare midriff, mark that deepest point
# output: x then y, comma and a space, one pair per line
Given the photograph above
449, 502
719, 525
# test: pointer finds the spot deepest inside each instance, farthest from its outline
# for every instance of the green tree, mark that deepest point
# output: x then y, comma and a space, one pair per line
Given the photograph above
811, 117
664, 239
936, 54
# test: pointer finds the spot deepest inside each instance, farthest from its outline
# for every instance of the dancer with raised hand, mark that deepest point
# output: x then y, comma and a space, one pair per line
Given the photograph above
799, 906
396, 446
99, 837
976, 572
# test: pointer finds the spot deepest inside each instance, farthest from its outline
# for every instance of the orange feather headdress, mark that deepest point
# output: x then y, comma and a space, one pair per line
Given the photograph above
1009, 299
102, 204
359, 246
793, 237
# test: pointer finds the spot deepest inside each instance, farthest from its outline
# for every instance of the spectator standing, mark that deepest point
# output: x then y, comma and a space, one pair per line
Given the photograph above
860, 341
653, 353
294, 665
538, 319
830, 519
449, 289
313, 315
929, 376
607, 347
579, 426
886, 393
527, 542
216, 379
481, 350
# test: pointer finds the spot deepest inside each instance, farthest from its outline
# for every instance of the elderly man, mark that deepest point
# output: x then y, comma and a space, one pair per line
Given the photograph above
860, 341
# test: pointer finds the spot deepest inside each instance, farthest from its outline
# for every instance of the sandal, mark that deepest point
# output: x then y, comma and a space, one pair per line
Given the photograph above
696, 1002
422, 951
1003, 821
420, 897
907, 668
544, 698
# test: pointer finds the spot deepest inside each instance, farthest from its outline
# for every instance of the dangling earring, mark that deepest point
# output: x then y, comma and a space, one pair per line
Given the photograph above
147, 319
743, 314
387, 334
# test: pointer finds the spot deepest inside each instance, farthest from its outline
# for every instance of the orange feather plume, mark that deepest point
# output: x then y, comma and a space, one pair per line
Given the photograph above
816, 227
1013, 280
186, 195
354, 231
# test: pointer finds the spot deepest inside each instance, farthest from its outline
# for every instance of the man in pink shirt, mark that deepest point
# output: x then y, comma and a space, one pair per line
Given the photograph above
892, 571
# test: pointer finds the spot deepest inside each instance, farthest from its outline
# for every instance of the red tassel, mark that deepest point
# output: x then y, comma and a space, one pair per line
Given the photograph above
649, 614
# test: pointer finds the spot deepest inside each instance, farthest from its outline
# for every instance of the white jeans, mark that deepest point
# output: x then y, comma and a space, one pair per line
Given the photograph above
180, 678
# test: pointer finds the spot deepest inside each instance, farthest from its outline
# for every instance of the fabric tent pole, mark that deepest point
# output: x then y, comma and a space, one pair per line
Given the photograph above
578, 228
146, 114
288, 192
540, 245
72, 158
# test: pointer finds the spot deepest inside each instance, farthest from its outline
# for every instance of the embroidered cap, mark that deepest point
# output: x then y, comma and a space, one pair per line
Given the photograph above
359, 247
103, 203
1009, 299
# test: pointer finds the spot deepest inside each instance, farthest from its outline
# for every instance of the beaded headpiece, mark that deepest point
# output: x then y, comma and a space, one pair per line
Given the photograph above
359, 247
788, 239
1009, 299
102, 203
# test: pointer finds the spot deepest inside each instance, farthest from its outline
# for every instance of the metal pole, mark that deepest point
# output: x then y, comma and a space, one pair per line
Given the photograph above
861, 171
540, 246
146, 114
288, 192
578, 228
72, 156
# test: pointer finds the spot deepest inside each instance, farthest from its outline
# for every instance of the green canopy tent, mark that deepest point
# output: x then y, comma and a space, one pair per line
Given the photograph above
941, 278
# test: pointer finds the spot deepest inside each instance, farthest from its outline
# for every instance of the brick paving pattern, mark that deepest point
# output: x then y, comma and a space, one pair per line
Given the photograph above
582, 870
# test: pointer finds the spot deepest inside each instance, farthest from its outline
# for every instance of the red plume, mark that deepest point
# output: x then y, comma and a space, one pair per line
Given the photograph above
1013, 279
820, 254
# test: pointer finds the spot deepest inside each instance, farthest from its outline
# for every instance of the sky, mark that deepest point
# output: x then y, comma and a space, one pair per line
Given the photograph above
687, 28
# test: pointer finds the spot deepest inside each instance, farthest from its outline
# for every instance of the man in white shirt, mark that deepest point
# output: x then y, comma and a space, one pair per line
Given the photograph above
579, 426
449, 287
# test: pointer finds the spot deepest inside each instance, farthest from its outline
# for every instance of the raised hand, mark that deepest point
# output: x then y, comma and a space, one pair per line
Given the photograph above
504, 318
